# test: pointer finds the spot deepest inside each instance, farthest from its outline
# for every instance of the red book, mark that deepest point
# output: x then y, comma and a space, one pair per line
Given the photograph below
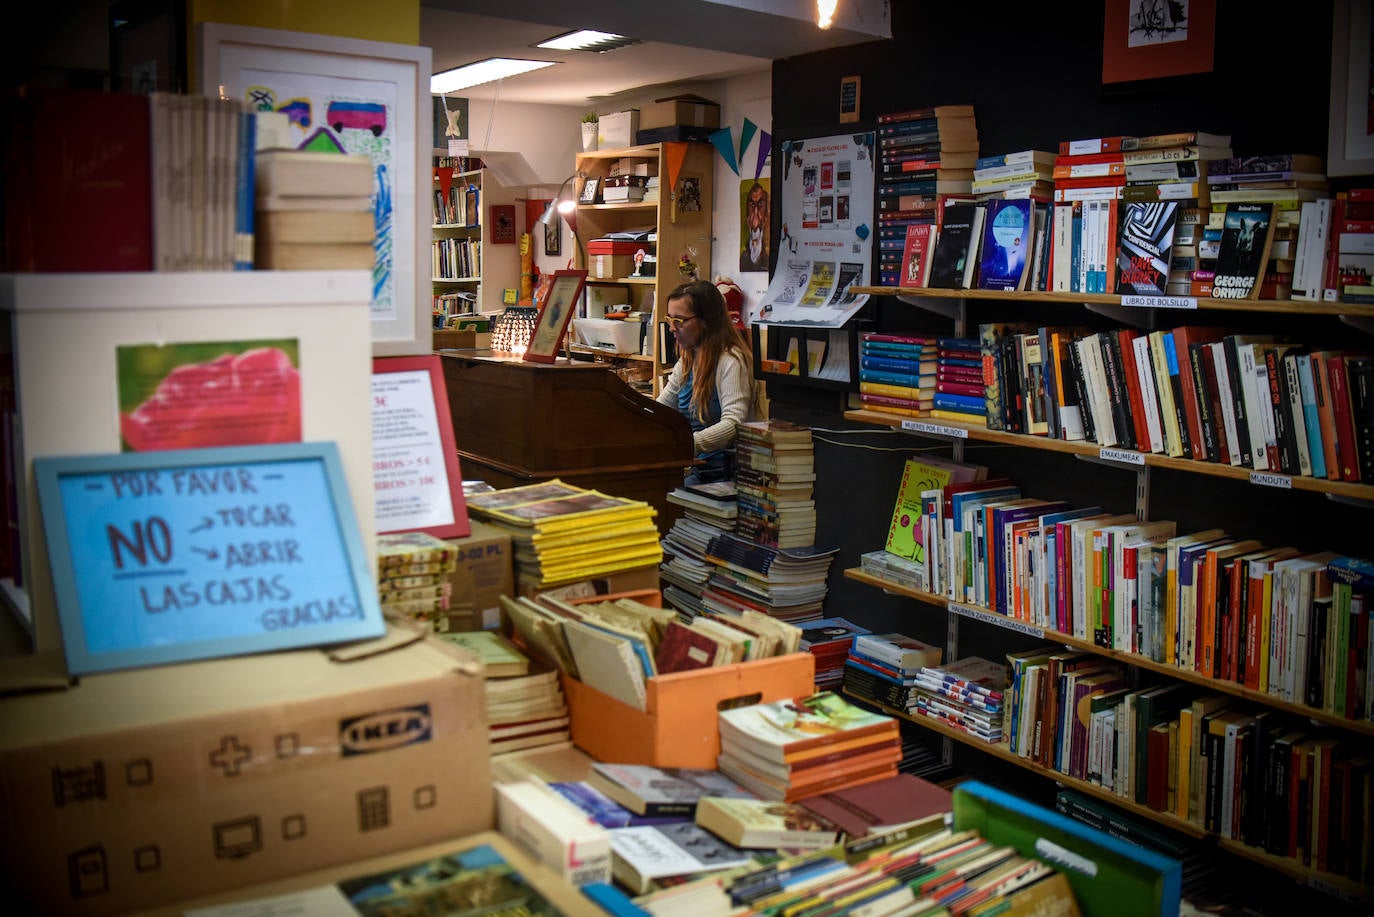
1157, 781
1095, 145
1343, 415
960, 388
1184, 335
1331, 284
1233, 619
1133, 390
78, 182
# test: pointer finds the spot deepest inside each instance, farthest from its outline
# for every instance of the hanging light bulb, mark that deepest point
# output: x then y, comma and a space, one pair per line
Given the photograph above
825, 12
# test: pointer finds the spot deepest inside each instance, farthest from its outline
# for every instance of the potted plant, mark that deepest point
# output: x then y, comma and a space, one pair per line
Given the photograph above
589, 127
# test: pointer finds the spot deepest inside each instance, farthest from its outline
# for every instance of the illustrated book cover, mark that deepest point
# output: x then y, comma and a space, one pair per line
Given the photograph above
765, 823
658, 791
1246, 236
1006, 245
781, 728
952, 247
917, 254
1145, 248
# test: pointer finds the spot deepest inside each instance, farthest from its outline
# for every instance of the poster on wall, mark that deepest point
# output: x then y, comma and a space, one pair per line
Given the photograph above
825, 244
753, 208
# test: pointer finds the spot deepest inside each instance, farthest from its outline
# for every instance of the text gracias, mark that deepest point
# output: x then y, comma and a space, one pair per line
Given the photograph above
154, 536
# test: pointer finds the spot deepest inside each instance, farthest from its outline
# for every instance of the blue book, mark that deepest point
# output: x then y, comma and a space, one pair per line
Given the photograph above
967, 403
244, 201
1308, 388
1076, 252
895, 365
612, 900
910, 380
1006, 244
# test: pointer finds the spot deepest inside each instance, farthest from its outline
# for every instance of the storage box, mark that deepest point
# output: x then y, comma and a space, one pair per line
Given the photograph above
299, 892
679, 725
486, 571
618, 247
673, 132
610, 334
447, 339
611, 267
685, 109
139, 788
618, 129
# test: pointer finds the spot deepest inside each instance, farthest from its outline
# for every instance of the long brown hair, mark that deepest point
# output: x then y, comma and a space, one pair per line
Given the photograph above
718, 335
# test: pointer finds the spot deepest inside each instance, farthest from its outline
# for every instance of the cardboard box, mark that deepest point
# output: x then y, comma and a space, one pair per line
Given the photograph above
645, 577
611, 267
685, 109
297, 894
679, 726
673, 133
486, 571
139, 788
617, 129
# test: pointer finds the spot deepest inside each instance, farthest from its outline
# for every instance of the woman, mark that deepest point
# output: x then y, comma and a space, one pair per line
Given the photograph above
712, 384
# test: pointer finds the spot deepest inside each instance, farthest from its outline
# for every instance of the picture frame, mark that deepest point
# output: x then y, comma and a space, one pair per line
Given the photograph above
553, 236
1140, 40
555, 312
1350, 141
366, 97
140, 541
849, 99
590, 188
414, 453
502, 224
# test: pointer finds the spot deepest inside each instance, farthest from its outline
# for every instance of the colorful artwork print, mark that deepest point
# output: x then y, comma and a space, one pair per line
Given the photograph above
355, 121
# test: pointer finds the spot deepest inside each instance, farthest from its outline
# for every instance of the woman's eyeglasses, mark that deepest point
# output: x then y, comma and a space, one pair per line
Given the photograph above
675, 323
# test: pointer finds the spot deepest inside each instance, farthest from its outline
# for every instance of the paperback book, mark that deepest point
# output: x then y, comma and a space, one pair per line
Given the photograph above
1145, 247
1246, 236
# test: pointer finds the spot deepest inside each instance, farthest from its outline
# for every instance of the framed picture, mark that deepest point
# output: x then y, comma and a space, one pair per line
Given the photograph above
1350, 147
849, 99
554, 314
365, 97
553, 236
502, 223
1149, 39
152, 561
415, 472
589, 190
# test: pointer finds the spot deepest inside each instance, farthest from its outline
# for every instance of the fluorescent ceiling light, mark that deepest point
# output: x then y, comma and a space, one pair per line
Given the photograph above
483, 71
587, 40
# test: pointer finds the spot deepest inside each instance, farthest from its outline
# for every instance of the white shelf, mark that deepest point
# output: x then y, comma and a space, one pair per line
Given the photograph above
455, 279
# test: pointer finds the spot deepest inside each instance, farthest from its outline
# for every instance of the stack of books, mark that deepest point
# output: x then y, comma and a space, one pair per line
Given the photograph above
564, 534
784, 583
525, 707
413, 575
791, 749
959, 373
923, 154
883, 668
716, 503
897, 373
709, 510
774, 481
966, 694
314, 211
1023, 174
829, 640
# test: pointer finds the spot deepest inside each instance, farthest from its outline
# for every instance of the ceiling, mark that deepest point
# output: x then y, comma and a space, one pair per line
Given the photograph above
684, 41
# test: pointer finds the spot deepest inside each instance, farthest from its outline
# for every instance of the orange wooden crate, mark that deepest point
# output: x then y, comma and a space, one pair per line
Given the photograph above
679, 725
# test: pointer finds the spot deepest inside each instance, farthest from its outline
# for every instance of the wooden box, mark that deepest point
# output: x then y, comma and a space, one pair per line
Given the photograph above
679, 725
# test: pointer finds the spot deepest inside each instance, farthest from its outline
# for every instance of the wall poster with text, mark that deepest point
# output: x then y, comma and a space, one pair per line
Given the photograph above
826, 240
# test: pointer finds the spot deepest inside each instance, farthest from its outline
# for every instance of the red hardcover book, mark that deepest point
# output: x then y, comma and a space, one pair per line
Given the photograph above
1331, 284
1343, 416
1133, 390
78, 182
891, 801
1185, 335
1157, 781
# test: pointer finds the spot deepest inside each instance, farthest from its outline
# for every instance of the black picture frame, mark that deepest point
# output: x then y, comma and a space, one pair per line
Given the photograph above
553, 236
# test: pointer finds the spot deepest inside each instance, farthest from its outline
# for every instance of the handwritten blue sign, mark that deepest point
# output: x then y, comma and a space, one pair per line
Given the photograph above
161, 557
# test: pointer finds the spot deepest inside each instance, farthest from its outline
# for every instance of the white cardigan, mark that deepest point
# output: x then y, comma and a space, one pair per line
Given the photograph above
734, 388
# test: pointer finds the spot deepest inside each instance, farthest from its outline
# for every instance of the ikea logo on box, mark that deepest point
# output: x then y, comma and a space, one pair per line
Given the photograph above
385, 730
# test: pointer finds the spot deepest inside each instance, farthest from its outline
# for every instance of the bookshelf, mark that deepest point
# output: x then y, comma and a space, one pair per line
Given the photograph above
955, 311
464, 252
678, 230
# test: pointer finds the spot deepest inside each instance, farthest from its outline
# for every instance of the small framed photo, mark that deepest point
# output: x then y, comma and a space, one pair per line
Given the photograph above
849, 99
553, 236
590, 188
554, 314
503, 223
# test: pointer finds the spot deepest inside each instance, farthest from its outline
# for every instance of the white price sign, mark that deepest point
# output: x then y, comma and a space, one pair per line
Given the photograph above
936, 429
1159, 302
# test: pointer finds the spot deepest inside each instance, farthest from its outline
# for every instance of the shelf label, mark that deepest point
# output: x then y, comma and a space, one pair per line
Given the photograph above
1265, 479
1124, 456
1159, 302
936, 429
988, 617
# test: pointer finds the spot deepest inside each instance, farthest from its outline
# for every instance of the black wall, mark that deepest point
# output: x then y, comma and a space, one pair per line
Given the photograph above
1033, 75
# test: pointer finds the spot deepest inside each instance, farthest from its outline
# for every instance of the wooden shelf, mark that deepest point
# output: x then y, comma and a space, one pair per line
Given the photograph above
646, 281
625, 205
1285, 306
586, 348
982, 434
443, 226
648, 151
1135, 660
1290, 867
455, 279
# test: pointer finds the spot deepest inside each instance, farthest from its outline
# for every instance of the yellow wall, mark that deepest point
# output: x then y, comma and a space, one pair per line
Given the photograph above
396, 21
